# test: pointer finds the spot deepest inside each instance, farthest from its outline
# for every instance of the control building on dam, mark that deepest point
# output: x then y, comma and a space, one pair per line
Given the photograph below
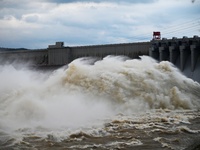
182, 52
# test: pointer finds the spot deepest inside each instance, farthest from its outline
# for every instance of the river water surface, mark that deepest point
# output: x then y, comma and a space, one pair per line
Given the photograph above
113, 103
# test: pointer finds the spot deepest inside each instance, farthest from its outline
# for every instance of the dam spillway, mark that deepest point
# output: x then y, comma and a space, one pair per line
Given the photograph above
184, 53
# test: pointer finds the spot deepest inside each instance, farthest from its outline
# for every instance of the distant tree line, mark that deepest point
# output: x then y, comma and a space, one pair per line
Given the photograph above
11, 49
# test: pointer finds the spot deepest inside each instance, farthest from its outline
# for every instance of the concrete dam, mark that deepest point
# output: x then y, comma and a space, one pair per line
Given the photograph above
182, 52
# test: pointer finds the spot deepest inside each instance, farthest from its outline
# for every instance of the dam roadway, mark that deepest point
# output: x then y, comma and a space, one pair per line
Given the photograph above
182, 52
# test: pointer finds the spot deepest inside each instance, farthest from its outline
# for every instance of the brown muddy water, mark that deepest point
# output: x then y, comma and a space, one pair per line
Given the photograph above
114, 103
161, 129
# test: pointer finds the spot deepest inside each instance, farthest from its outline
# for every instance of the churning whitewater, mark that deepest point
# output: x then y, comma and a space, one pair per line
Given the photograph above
88, 99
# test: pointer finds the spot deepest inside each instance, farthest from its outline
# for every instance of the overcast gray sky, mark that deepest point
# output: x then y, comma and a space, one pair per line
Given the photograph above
39, 23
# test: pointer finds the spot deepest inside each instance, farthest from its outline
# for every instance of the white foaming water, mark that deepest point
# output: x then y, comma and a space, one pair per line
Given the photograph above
85, 94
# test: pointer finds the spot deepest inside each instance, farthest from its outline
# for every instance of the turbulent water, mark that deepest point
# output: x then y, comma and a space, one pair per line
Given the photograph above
113, 103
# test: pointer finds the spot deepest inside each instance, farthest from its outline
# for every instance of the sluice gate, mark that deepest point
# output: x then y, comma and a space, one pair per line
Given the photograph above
183, 53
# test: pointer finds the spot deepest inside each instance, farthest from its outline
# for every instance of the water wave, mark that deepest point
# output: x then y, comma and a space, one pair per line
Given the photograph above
88, 92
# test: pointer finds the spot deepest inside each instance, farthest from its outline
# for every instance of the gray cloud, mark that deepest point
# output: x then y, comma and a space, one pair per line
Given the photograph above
98, 1
35, 24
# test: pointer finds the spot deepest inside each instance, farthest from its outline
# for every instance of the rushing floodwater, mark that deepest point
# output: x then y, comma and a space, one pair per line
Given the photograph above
114, 103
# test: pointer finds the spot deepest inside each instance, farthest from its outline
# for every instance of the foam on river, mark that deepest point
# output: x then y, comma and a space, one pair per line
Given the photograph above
88, 92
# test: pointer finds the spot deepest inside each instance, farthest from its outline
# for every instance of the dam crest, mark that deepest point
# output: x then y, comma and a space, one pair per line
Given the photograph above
184, 53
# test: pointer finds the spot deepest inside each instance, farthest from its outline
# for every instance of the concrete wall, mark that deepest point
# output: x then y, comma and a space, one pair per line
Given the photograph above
132, 50
39, 57
183, 53
58, 56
